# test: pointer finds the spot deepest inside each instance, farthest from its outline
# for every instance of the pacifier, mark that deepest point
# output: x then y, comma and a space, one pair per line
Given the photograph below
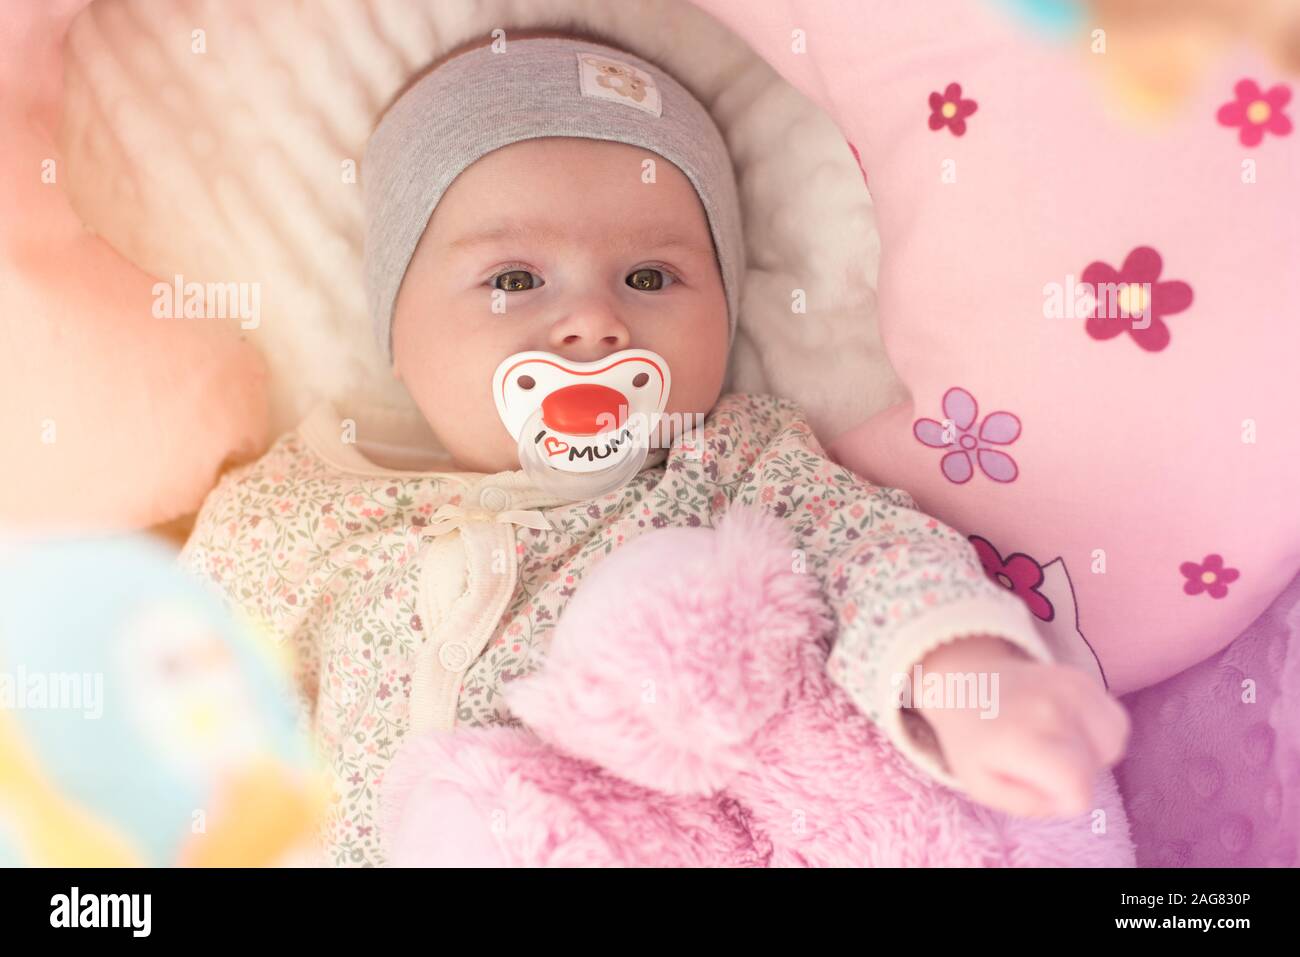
583, 428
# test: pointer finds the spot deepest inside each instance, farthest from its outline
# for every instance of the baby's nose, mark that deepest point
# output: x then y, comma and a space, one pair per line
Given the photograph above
590, 331
584, 409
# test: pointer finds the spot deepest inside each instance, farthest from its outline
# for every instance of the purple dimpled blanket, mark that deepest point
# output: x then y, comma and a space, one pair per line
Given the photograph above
1212, 777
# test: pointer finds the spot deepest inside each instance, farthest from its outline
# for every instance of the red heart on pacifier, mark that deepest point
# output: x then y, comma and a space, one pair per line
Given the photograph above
555, 446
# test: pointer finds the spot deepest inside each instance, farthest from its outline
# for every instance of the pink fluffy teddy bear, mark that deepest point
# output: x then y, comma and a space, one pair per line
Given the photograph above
683, 717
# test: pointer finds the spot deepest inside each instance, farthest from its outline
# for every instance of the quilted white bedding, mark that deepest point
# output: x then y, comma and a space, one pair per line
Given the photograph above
219, 142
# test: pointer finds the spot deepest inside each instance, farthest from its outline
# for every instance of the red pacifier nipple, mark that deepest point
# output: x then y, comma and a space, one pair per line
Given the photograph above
585, 409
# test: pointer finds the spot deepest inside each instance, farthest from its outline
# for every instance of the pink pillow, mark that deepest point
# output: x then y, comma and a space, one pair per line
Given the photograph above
112, 419
1137, 486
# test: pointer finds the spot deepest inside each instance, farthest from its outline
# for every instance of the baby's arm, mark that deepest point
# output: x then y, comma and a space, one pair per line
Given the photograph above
909, 592
239, 548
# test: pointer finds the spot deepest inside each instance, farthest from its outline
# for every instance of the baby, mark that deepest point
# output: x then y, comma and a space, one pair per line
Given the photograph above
551, 192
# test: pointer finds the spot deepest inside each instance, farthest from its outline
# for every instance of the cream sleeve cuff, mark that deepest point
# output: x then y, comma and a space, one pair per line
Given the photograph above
907, 730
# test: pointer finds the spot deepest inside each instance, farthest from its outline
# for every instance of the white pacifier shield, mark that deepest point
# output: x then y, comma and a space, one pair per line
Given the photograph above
578, 410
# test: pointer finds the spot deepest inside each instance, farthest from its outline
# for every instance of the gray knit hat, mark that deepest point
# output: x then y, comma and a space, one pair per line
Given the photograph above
482, 100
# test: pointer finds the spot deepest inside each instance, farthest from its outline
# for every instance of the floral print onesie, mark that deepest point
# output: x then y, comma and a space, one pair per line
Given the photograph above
411, 598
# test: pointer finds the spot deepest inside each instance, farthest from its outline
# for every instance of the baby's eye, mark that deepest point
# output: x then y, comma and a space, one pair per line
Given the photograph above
649, 279
516, 280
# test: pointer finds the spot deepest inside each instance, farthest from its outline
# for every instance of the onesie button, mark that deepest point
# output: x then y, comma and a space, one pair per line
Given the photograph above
454, 656
494, 498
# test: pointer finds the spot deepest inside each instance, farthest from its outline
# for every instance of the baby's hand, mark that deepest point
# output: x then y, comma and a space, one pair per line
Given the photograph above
1054, 730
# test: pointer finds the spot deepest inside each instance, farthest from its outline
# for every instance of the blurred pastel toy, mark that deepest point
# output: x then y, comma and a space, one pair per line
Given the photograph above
140, 723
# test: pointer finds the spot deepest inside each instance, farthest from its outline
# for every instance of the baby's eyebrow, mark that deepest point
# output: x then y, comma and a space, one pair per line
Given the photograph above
656, 237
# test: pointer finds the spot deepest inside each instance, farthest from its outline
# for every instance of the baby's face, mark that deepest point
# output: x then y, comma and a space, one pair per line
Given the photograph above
591, 259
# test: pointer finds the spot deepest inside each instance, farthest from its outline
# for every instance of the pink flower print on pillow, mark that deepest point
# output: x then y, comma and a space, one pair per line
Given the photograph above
1257, 112
950, 110
858, 159
1017, 573
968, 448
1208, 576
1130, 299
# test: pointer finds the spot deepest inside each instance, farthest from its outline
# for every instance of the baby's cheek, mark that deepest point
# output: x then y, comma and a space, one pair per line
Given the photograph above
464, 415
697, 376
